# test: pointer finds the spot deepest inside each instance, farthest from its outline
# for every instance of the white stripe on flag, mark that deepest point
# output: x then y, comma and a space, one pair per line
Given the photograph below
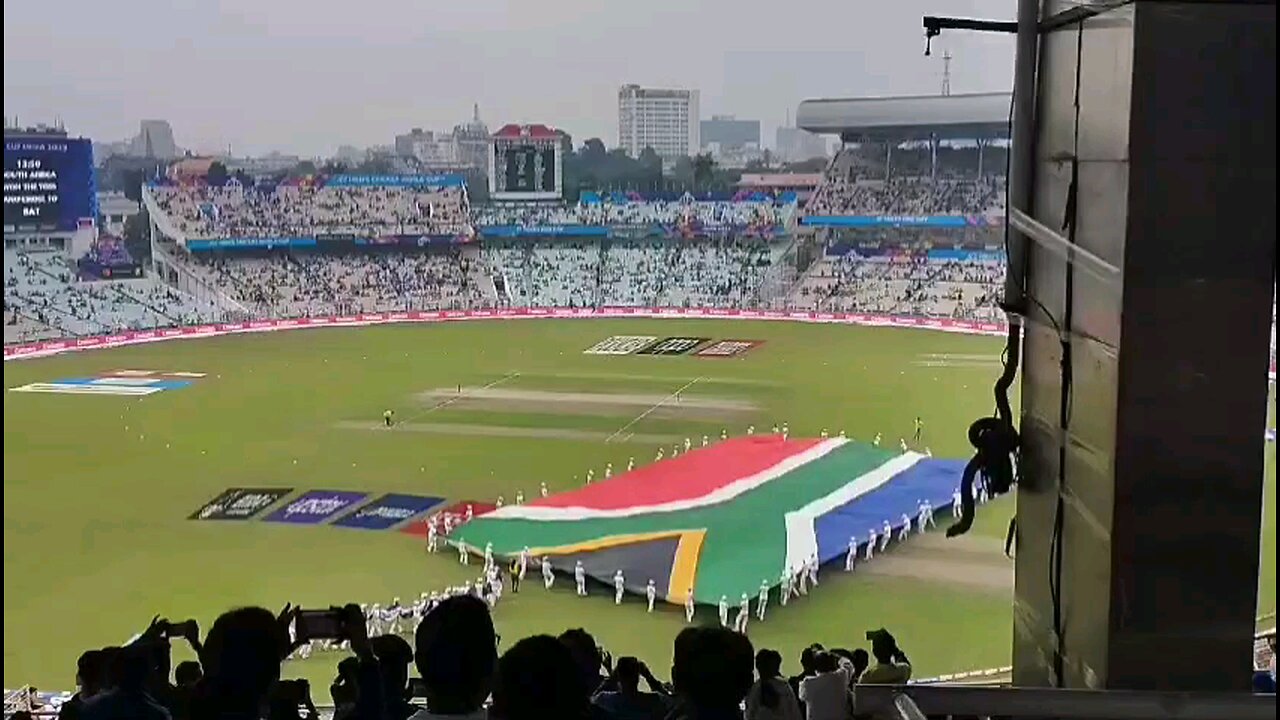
802, 539
719, 495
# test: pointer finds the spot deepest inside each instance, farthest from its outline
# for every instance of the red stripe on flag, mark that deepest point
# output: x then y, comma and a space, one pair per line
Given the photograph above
685, 477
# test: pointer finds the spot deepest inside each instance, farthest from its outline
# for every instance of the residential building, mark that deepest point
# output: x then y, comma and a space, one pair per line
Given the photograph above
663, 119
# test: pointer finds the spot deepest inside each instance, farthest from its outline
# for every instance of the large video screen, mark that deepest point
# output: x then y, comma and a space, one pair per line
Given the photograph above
48, 183
527, 169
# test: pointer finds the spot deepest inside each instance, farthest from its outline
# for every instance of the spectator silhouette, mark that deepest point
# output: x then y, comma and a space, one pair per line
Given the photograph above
861, 660
826, 692
241, 660
394, 656
91, 679
771, 698
892, 666
588, 657
806, 670
538, 678
128, 699
186, 676
711, 673
456, 655
627, 702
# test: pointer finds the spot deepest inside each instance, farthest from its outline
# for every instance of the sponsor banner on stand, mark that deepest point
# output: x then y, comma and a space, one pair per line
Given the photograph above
673, 346
621, 345
240, 503
389, 510
315, 506
728, 348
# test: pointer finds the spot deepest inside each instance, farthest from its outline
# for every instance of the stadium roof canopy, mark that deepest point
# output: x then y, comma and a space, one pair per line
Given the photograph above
949, 117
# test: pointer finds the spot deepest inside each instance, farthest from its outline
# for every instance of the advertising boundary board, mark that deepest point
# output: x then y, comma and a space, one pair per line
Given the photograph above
137, 337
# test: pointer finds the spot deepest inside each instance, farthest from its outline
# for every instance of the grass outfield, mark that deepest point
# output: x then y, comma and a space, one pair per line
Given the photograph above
97, 489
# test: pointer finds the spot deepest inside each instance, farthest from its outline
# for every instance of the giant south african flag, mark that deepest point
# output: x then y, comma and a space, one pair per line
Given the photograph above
718, 520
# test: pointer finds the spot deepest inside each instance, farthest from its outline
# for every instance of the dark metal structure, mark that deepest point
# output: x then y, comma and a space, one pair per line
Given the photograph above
1142, 256
1151, 155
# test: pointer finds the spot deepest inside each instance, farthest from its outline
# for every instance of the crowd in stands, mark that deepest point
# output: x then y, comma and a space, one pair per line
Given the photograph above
716, 673
315, 284
903, 285
725, 274
710, 273
740, 213
302, 210
545, 274
845, 190
42, 299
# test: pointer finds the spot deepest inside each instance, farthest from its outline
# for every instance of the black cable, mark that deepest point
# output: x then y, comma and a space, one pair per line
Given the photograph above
995, 439
1064, 402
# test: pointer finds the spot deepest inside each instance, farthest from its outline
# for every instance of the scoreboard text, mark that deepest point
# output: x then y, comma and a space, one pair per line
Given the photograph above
48, 183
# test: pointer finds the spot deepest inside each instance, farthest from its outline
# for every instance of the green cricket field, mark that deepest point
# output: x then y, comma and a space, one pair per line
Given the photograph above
99, 488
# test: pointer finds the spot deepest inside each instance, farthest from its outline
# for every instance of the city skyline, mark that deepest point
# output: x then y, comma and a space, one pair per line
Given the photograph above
306, 79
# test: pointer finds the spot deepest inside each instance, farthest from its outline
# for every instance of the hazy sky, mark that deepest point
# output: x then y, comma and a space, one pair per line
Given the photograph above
305, 76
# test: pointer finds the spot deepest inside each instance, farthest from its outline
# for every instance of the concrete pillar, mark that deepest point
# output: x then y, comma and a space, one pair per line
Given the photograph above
1155, 150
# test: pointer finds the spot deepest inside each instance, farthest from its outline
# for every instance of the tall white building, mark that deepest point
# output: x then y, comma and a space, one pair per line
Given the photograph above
663, 119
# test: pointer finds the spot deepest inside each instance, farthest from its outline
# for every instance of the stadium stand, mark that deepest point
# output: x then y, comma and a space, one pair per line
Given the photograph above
311, 284
965, 287
342, 245
43, 299
201, 211
621, 211
846, 191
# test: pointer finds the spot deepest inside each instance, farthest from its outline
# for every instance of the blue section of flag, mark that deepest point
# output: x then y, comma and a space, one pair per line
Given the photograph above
387, 511
931, 479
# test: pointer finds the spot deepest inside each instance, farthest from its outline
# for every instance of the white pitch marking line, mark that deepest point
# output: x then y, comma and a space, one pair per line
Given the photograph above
656, 405
446, 403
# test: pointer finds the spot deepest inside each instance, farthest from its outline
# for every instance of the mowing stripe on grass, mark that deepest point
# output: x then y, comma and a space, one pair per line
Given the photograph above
656, 405
447, 402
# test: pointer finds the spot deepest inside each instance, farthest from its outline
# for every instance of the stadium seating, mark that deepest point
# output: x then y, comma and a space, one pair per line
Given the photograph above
199, 211
306, 285
846, 190
42, 299
743, 213
952, 288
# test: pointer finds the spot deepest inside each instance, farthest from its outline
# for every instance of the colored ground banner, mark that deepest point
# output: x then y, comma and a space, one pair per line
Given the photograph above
127, 383
620, 345
728, 348
673, 346
315, 506
719, 521
240, 503
389, 510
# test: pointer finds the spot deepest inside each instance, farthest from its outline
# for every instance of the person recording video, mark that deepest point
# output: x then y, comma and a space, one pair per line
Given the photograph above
892, 666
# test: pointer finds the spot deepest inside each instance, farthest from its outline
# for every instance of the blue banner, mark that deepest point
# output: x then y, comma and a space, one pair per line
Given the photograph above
515, 231
250, 243
332, 240
388, 510
441, 180
937, 221
962, 254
